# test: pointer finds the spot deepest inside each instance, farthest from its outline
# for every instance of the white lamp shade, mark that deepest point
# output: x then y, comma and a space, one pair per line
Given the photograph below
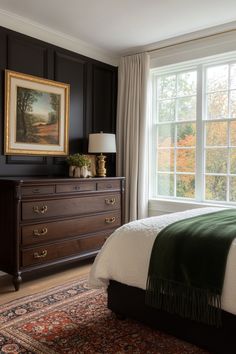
102, 142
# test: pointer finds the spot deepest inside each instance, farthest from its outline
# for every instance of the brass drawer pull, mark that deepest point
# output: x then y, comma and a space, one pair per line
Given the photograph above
76, 188
110, 220
41, 210
40, 233
36, 190
109, 185
40, 255
110, 201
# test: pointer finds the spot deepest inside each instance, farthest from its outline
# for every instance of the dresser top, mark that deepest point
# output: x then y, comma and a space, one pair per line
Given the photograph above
46, 180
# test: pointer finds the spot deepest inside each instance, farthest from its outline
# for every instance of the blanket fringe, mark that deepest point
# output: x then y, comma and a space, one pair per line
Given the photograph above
194, 303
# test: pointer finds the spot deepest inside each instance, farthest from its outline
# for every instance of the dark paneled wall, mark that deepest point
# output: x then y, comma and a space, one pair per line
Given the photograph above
93, 89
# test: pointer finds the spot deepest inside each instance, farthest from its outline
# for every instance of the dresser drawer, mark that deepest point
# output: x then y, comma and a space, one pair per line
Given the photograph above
76, 187
69, 206
46, 232
108, 185
37, 190
47, 253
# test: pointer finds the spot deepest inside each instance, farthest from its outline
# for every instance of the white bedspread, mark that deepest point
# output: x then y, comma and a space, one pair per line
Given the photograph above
126, 253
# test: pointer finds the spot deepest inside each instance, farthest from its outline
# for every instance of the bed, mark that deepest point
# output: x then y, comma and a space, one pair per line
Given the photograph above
122, 268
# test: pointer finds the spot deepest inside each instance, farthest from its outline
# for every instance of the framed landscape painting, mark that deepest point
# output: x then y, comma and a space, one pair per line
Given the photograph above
36, 115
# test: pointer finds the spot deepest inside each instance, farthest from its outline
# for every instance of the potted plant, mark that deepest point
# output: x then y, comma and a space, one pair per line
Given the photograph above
78, 165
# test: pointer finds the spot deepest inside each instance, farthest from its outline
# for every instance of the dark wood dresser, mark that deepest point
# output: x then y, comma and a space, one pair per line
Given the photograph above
49, 221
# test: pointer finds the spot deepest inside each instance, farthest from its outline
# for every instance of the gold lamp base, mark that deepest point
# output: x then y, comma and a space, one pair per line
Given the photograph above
101, 171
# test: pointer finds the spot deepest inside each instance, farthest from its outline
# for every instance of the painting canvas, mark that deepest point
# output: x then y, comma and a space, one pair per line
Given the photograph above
36, 115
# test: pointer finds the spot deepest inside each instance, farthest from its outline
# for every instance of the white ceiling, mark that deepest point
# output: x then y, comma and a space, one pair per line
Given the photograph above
119, 26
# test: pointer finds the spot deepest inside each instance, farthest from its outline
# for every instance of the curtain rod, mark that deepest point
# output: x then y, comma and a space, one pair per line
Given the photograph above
188, 41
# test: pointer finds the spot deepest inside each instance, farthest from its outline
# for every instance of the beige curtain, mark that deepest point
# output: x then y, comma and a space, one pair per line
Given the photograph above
132, 145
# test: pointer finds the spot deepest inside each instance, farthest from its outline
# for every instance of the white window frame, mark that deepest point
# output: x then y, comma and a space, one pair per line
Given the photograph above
171, 204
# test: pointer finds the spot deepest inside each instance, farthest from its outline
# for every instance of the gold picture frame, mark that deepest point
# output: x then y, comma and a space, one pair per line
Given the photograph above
36, 115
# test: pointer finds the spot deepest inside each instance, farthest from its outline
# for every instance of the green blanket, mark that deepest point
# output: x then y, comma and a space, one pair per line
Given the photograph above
187, 266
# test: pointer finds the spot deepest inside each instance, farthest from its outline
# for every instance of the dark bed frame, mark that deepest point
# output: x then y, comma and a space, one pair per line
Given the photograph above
128, 301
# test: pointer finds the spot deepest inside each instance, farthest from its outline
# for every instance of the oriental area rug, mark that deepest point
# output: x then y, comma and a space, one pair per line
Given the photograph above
73, 319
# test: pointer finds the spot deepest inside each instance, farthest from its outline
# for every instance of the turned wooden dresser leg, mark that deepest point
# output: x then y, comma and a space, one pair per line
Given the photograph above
16, 280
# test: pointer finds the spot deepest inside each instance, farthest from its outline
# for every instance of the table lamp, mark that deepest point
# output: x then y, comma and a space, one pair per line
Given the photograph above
101, 143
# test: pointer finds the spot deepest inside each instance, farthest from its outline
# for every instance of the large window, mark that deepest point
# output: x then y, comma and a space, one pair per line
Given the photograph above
194, 136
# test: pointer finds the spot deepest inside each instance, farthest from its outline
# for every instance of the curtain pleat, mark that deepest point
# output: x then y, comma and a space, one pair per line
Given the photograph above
132, 122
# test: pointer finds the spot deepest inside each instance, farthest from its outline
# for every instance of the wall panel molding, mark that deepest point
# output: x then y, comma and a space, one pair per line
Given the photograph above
26, 160
92, 96
18, 49
103, 99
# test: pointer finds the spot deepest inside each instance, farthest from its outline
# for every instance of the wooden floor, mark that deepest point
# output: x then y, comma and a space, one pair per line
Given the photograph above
40, 282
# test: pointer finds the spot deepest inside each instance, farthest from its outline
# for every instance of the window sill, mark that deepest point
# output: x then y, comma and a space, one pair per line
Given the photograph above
165, 206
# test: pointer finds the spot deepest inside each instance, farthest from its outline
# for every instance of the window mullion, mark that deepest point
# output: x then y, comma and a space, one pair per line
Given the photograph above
175, 143
228, 163
228, 137
153, 140
175, 161
199, 176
